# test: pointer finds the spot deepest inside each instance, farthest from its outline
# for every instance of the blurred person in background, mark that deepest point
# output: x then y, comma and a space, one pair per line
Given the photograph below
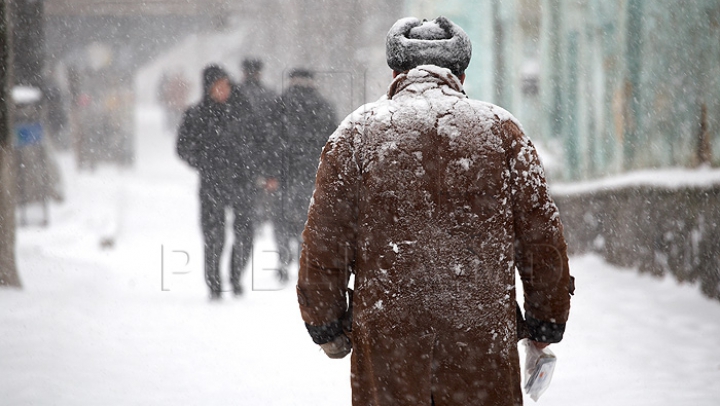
57, 116
262, 99
264, 129
307, 120
213, 138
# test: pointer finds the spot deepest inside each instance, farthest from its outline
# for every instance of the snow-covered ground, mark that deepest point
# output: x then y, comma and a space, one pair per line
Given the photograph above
114, 311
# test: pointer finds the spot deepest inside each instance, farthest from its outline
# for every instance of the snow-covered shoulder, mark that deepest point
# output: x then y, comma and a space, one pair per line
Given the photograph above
380, 109
495, 112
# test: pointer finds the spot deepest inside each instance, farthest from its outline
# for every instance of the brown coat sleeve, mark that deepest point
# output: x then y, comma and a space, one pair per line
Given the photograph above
540, 248
328, 250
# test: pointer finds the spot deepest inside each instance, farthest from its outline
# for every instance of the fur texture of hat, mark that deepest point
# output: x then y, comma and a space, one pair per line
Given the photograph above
411, 43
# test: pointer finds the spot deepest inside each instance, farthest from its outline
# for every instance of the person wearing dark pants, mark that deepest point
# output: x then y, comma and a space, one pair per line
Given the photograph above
211, 139
213, 206
264, 130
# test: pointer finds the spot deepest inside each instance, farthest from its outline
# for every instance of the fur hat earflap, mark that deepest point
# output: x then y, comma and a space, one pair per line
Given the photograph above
411, 43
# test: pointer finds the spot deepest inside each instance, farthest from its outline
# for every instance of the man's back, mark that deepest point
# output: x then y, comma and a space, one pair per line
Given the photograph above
432, 196
436, 205
434, 208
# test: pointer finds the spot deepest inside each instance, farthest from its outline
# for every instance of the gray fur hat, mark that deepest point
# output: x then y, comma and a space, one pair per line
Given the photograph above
411, 43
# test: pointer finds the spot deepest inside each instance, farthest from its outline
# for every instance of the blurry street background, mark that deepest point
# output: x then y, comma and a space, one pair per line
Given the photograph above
131, 324
103, 298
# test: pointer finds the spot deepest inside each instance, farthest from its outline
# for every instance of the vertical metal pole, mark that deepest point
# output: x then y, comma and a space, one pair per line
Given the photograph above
8, 268
499, 56
551, 70
633, 59
572, 129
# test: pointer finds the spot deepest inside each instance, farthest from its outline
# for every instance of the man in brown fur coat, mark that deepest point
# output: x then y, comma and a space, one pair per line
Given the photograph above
432, 200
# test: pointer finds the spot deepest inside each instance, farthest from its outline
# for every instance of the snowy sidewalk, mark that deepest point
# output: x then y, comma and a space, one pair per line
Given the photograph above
130, 324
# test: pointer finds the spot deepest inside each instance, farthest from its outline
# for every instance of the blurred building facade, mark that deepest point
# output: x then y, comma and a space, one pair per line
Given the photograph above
608, 85
605, 86
93, 49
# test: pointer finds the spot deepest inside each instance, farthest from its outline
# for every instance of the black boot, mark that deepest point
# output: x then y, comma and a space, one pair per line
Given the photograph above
282, 275
212, 272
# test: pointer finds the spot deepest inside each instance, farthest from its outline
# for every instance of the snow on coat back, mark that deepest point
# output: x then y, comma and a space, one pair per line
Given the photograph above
431, 100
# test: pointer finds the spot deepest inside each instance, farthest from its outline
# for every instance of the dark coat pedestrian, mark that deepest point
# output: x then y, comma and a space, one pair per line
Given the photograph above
263, 103
308, 119
432, 200
265, 129
212, 138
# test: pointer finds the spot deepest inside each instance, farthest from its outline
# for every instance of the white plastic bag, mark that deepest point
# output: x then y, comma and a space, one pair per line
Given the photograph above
539, 368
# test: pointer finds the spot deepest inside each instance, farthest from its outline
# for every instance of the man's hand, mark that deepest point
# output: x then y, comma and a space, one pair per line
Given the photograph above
337, 348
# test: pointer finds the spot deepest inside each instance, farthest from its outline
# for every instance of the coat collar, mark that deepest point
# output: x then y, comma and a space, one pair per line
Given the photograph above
425, 75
